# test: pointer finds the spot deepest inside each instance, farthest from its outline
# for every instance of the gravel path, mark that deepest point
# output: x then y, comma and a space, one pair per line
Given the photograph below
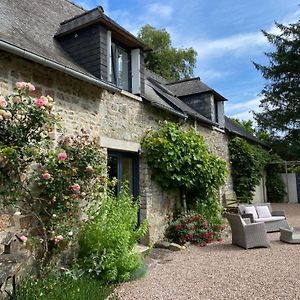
223, 271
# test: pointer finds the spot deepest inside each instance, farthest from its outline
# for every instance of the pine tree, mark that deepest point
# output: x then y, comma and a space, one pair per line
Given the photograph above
280, 105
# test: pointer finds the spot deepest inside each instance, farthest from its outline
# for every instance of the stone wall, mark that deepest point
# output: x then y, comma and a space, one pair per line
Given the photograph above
111, 115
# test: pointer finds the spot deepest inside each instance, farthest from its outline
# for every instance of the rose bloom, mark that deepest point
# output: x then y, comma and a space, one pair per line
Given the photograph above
20, 85
3, 102
75, 187
23, 238
89, 169
7, 115
58, 238
16, 99
46, 176
62, 156
31, 87
40, 102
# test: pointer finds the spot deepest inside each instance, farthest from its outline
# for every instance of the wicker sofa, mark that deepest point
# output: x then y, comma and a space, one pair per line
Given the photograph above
247, 235
273, 222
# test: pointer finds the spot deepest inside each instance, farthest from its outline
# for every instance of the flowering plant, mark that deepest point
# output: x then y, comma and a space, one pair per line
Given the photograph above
67, 176
193, 228
45, 182
25, 128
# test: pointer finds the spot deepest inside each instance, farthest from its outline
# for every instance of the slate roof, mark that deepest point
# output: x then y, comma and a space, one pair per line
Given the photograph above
32, 24
158, 93
192, 86
235, 129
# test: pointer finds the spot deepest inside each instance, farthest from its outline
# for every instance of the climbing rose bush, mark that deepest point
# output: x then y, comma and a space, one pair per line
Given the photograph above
69, 176
44, 181
25, 129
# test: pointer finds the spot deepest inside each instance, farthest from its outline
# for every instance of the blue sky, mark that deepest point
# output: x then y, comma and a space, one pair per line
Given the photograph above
225, 33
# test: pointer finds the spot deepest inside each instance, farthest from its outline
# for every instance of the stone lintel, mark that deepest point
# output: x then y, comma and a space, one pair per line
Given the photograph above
116, 144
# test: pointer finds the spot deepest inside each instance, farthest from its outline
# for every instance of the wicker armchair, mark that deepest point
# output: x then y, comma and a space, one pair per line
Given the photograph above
247, 235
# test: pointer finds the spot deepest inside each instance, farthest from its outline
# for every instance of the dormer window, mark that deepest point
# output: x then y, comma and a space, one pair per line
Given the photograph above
120, 66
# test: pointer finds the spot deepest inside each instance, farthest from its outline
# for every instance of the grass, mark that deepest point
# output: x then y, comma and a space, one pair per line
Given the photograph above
63, 287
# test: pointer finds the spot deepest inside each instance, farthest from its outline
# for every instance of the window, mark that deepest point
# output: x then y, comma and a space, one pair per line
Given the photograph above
124, 166
120, 66
216, 119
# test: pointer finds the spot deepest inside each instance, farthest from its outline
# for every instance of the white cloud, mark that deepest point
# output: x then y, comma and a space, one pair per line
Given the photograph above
210, 74
250, 104
243, 110
160, 10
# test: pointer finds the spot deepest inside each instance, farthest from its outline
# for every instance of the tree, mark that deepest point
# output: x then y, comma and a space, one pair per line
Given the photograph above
164, 59
280, 115
246, 124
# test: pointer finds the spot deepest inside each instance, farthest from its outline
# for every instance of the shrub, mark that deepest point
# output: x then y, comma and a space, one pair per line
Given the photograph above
62, 287
107, 241
193, 228
181, 159
248, 162
275, 185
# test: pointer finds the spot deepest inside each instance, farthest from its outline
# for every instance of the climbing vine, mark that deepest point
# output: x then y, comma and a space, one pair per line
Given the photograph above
248, 163
181, 159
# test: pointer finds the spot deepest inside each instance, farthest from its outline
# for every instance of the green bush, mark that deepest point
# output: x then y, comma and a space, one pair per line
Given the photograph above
248, 162
275, 185
193, 228
181, 159
62, 287
107, 242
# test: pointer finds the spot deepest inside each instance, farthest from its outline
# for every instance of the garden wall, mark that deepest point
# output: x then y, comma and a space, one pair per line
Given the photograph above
118, 121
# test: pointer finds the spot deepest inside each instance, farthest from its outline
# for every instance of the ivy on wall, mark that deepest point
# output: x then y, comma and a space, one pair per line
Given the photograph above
248, 162
181, 159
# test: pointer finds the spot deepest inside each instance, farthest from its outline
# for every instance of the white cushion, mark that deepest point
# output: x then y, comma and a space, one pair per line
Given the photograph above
263, 211
251, 210
270, 219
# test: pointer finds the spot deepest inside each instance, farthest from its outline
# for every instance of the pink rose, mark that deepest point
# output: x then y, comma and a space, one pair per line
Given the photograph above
62, 156
89, 169
23, 238
16, 99
31, 87
40, 102
3, 102
20, 85
58, 238
75, 187
46, 176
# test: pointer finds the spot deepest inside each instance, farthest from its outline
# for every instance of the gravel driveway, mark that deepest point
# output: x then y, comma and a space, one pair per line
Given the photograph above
223, 271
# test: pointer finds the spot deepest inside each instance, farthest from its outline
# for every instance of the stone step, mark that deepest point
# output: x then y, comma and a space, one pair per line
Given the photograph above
142, 248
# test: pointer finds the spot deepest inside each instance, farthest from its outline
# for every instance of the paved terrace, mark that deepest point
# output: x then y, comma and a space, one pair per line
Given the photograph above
223, 271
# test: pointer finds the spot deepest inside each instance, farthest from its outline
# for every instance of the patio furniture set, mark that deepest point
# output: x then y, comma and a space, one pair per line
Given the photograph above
250, 226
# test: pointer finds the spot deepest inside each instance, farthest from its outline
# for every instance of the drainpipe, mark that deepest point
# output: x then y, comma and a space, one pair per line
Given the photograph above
57, 66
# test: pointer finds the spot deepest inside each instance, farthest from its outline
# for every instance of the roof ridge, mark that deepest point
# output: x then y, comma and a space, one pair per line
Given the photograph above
73, 3
183, 80
156, 74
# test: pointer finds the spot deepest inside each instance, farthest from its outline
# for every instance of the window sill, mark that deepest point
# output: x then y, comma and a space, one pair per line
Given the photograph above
222, 130
132, 96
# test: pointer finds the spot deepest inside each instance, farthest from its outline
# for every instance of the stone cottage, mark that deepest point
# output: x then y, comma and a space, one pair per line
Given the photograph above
94, 69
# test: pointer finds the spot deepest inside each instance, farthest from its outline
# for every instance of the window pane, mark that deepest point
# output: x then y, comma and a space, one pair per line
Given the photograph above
123, 69
127, 173
113, 169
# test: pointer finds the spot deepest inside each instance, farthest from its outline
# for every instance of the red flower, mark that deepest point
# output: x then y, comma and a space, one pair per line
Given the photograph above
219, 239
189, 235
178, 227
204, 225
